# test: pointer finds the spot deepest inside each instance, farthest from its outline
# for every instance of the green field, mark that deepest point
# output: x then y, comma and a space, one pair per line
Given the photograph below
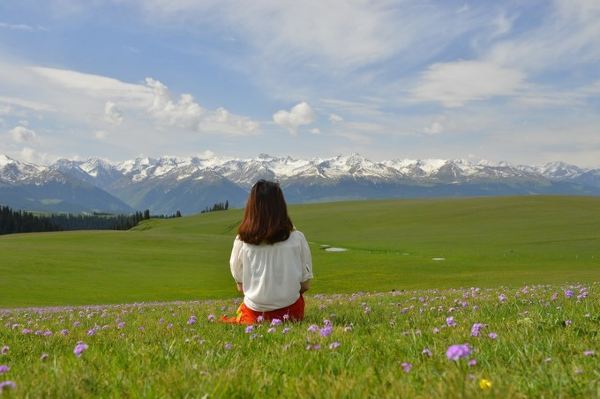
391, 244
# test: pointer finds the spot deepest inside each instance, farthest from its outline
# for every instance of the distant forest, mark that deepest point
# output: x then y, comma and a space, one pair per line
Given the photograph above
12, 221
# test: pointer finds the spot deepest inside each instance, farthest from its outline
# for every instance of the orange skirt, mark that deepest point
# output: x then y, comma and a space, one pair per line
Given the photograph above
245, 315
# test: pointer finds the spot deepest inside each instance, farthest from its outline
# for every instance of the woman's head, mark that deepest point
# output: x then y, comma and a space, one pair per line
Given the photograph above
265, 218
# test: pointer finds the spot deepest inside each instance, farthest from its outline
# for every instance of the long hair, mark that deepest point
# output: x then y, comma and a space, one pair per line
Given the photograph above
265, 217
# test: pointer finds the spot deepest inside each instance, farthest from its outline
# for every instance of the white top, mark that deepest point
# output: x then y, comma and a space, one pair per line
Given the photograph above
271, 273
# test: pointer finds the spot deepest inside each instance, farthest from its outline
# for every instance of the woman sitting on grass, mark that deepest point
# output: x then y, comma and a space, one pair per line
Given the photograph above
270, 261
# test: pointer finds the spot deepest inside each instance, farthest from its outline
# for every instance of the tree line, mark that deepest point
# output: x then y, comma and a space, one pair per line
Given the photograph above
219, 206
17, 221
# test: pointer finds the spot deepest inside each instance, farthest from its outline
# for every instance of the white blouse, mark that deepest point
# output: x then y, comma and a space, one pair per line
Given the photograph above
271, 273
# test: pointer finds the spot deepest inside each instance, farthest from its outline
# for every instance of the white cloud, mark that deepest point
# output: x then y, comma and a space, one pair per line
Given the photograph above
22, 103
184, 113
28, 154
455, 83
434, 128
100, 134
335, 118
21, 134
502, 24
112, 113
22, 27
315, 130
300, 114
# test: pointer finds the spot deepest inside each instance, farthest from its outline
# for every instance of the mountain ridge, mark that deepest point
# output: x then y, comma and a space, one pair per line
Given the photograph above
168, 183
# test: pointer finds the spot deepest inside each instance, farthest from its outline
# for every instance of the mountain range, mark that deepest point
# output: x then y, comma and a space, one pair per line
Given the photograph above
190, 184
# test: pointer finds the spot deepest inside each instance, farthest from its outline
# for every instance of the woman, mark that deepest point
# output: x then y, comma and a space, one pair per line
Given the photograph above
270, 261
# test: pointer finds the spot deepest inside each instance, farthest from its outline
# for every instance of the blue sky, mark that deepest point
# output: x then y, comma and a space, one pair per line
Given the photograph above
498, 80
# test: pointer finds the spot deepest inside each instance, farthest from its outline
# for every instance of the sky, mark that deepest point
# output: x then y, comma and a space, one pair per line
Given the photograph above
515, 81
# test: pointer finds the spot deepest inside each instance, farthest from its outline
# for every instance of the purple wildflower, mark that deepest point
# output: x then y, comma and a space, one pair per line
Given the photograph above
427, 352
502, 298
313, 328
406, 367
192, 320
47, 333
7, 385
228, 346
276, 322
326, 331
271, 330
436, 330
314, 347
589, 353
455, 352
260, 319
472, 363
334, 345
326, 322
493, 335
79, 349
170, 325
569, 293
121, 325
4, 368
26, 331
64, 332
450, 321
285, 330
76, 324
211, 318
4, 350
567, 323
476, 328
286, 317
91, 332
249, 329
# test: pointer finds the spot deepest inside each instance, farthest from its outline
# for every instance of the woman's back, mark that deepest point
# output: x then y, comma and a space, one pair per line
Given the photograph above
271, 273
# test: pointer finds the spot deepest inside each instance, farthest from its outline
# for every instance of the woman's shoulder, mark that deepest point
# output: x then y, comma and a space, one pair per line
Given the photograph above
297, 234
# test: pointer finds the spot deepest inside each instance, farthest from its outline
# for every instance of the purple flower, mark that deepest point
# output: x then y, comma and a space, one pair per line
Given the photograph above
406, 367
79, 349
76, 324
589, 353
334, 345
228, 346
7, 385
192, 320
286, 317
472, 363
502, 298
326, 322
476, 328
313, 328
170, 325
285, 330
260, 319
44, 357
326, 331
64, 332
554, 297
211, 318
456, 352
568, 323
276, 322
436, 330
493, 335
4, 368
26, 331
91, 332
450, 321
4, 350
249, 329
121, 325
271, 330
426, 352
569, 293
314, 347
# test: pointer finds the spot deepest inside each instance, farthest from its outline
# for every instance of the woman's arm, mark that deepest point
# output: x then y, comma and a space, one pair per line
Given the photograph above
304, 286
239, 287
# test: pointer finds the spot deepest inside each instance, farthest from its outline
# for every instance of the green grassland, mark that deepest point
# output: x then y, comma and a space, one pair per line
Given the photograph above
391, 244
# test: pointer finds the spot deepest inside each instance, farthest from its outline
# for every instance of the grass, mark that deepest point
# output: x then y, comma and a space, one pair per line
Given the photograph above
485, 242
547, 345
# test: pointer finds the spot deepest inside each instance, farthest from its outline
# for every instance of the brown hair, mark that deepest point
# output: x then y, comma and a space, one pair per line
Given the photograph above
265, 218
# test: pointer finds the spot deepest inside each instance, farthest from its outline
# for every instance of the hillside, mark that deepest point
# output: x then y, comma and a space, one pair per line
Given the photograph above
391, 245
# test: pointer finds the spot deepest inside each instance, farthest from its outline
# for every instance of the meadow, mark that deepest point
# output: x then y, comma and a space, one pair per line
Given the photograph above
395, 244
479, 297
532, 341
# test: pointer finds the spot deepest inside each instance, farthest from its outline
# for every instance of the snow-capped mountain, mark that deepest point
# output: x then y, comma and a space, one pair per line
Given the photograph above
189, 184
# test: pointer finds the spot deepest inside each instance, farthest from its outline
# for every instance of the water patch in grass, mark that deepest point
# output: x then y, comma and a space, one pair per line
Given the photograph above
335, 249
